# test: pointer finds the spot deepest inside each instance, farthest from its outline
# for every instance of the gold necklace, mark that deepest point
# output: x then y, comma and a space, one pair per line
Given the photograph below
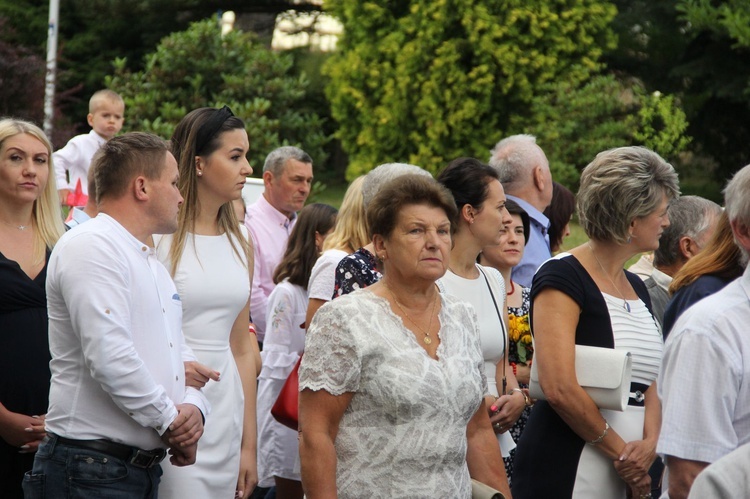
426, 338
625, 303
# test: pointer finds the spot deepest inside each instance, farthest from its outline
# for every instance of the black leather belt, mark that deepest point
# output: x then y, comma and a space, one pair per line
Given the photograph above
638, 394
137, 457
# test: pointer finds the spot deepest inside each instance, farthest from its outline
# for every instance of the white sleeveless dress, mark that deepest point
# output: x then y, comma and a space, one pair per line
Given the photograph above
214, 287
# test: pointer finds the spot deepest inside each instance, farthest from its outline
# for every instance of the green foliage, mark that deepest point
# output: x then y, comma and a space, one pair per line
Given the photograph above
426, 81
197, 68
696, 50
575, 122
730, 18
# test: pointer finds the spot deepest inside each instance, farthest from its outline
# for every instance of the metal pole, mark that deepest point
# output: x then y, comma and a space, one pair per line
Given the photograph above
49, 81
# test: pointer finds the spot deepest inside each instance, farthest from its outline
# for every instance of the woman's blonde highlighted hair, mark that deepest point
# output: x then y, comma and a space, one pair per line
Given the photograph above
351, 232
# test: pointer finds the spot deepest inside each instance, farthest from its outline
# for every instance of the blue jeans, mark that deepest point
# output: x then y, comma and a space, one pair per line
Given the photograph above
65, 472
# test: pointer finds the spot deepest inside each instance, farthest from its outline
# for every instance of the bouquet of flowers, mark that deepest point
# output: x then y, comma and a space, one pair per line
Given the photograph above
519, 334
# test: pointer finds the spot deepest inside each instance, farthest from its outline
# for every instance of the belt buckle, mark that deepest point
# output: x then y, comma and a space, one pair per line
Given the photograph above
639, 396
143, 459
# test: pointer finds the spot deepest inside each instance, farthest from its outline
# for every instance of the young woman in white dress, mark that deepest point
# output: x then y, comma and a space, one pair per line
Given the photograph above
480, 199
210, 259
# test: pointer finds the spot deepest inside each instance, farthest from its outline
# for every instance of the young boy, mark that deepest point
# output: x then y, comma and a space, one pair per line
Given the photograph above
106, 115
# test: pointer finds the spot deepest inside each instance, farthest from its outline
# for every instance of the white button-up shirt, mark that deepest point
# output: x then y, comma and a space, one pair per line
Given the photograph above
75, 159
115, 338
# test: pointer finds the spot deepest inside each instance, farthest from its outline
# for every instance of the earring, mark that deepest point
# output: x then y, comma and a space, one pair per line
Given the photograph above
200, 173
630, 238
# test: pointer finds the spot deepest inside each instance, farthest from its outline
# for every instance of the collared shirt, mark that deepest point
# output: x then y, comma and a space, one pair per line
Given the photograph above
115, 338
704, 376
77, 217
658, 289
270, 231
75, 158
537, 249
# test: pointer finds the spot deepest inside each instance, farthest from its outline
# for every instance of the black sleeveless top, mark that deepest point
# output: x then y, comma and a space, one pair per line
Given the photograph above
548, 452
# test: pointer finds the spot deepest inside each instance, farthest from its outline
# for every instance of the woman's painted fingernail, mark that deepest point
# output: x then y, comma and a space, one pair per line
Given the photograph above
24, 447
493, 408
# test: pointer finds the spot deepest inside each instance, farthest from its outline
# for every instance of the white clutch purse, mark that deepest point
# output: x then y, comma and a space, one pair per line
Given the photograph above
603, 372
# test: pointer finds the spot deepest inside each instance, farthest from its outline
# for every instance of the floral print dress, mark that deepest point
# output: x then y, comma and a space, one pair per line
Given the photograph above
520, 351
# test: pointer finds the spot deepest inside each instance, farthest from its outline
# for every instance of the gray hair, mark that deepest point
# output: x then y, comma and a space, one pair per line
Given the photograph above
737, 199
689, 216
619, 186
276, 159
384, 173
513, 158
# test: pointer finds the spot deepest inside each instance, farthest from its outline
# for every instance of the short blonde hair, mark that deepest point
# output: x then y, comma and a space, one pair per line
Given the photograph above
105, 95
351, 232
46, 212
619, 186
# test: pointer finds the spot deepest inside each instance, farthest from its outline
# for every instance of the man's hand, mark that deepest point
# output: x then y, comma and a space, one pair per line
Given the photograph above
197, 375
186, 428
183, 456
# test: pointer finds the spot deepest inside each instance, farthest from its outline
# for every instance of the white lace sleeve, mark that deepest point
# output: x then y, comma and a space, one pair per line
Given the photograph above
331, 361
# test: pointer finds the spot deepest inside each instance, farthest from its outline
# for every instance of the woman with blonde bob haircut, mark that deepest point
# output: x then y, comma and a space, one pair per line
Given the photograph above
349, 234
30, 225
586, 297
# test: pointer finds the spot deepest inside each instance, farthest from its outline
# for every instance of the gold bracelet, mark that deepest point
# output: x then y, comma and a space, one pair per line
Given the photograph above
526, 400
600, 437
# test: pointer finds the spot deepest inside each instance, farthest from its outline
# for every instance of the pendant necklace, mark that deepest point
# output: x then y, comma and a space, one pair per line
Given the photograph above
427, 340
19, 227
625, 303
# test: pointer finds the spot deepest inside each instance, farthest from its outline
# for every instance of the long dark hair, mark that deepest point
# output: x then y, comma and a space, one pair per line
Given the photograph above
468, 180
301, 252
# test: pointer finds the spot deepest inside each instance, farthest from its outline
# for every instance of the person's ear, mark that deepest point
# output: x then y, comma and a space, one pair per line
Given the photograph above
688, 247
379, 243
199, 166
539, 180
90, 120
319, 241
467, 213
267, 178
741, 234
140, 188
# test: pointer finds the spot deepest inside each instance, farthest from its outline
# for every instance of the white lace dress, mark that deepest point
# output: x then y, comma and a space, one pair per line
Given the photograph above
404, 432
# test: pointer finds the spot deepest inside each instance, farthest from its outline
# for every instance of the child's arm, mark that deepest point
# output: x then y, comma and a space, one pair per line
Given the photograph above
63, 159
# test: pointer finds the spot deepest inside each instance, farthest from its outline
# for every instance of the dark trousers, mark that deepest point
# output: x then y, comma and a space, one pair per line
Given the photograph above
65, 472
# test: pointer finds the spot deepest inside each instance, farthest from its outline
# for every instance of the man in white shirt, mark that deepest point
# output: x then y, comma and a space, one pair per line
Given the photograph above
287, 179
527, 180
117, 397
706, 368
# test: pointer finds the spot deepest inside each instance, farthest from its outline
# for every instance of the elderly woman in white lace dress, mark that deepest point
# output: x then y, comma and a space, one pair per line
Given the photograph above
392, 381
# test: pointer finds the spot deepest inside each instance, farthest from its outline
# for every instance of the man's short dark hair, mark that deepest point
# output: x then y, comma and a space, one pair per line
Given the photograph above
123, 158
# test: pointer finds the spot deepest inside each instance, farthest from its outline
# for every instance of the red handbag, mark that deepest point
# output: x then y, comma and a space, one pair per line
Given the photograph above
286, 408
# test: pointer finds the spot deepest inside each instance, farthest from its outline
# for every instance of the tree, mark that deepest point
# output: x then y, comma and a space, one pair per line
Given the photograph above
698, 50
255, 82
574, 123
426, 81
92, 33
